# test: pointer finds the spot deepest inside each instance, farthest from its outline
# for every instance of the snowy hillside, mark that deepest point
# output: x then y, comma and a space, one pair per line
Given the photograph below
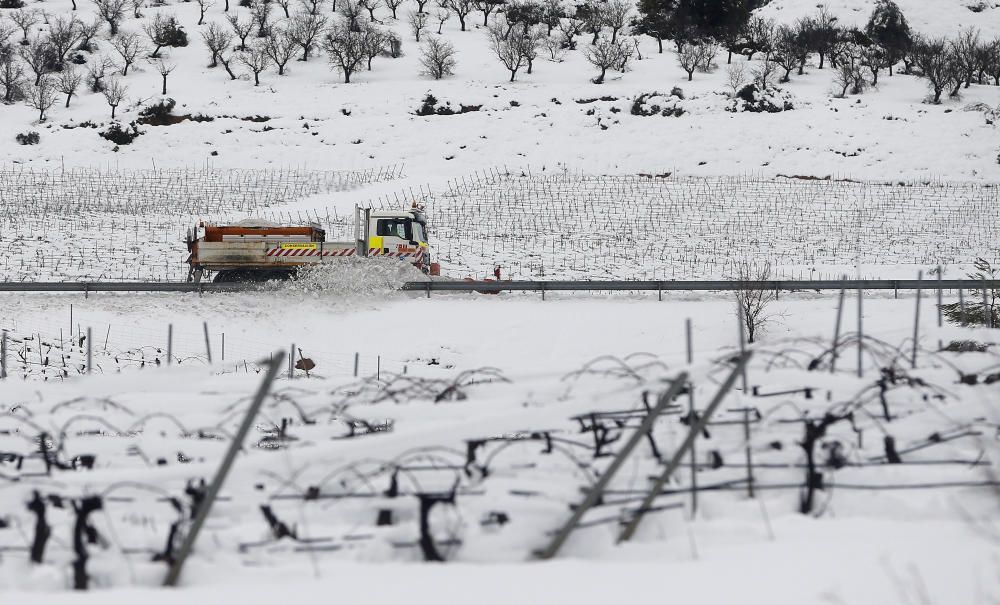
316, 121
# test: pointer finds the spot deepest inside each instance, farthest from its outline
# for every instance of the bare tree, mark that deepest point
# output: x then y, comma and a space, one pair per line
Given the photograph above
204, 5
261, 12
25, 20
164, 69
11, 77
697, 56
753, 302
461, 8
227, 64
932, 57
438, 57
112, 11
97, 70
129, 46
37, 56
763, 73
88, 31
280, 47
241, 28
848, 68
376, 40
69, 82
256, 59
569, 29
114, 93
371, 6
965, 56
305, 29
442, 15
394, 5
604, 55
486, 7
736, 77
217, 40
555, 48
64, 33
351, 11
137, 6
346, 48
313, 6
510, 46
164, 31
418, 23
617, 14
284, 4
42, 96
6, 32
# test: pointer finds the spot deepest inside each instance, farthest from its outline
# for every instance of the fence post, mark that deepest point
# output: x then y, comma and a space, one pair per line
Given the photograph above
961, 305
740, 316
3, 355
170, 343
205, 507
597, 491
90, 354
291, 362
916, 320
356, 359
691, 415
939, 303
208, 343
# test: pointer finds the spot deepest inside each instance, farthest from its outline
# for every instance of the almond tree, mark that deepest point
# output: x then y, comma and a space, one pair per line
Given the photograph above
617, 14
442, 15
313, 5
284, 4
64, 33
164, 69
393, 5
280, 47
371, 6
604, 55
97, 70
932, 57
241, 28
129, 46
376, 40
511, 45
304, 29
487, 7
418, 23
438, 57
37, 56
114, 94
25, 20
88, 31
42, 96
461, 8
217, 40
346, 48
11, 77
68, 83
261, 13
112, 11
256, 59
204, 5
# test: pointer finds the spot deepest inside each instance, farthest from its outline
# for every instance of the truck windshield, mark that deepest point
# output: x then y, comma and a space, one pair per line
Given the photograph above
394, 227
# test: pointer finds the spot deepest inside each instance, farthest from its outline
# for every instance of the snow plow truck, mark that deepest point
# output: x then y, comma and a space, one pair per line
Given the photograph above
255, 250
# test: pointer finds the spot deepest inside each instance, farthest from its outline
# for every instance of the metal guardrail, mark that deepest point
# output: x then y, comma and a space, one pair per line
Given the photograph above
440, 285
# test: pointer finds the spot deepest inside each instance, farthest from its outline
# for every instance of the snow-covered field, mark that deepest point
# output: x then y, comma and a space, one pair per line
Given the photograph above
512, 371
505, 407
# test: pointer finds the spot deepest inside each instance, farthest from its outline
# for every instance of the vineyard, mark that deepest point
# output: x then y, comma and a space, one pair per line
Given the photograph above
98, 490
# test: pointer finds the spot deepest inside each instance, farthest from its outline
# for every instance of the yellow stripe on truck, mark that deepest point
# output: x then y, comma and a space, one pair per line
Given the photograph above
375, 241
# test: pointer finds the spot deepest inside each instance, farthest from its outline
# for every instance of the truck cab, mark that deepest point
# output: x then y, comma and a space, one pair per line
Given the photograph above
396, 233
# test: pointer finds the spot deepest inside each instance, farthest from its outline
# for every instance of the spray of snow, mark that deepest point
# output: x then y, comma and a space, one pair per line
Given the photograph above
354, 277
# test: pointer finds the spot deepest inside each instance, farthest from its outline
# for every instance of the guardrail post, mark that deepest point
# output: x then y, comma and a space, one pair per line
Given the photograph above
90, 354
861, 345
170, 343
215, 487
3, 355
916, 321
836, 326
208, 343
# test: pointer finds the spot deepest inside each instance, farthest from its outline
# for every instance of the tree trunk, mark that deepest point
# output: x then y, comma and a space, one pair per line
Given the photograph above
461, 19
370, 63
164, 88
347, 76
530, 64
874, 77
256, 80
729, 60
113, 108
659, 42
68, 98
600, 80
513, 73
821, 57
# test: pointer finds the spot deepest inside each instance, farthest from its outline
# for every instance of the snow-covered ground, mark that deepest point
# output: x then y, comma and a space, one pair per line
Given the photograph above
515, 365
402, 384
